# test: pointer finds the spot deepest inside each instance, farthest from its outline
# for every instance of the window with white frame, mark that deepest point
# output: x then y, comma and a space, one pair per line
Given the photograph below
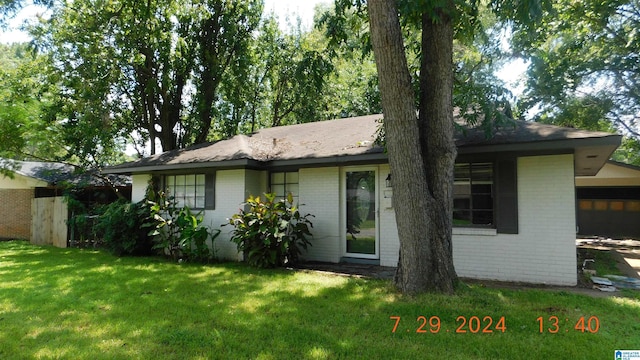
283, 183
188, 190
473, 203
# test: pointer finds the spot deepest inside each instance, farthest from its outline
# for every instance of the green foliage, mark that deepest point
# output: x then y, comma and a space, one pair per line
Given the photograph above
585, 62
155, 68
271, 232
23, 95
178, 232
86, 305
477, 52
122, 227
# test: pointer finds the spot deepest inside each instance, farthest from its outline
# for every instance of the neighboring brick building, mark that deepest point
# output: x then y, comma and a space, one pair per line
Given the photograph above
17, 192
15, 213
29, 180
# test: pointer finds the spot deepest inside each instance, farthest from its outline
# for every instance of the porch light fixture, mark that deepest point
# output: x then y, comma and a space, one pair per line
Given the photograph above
388, 180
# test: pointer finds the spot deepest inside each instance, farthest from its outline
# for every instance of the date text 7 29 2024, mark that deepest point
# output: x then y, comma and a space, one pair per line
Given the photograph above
489, 325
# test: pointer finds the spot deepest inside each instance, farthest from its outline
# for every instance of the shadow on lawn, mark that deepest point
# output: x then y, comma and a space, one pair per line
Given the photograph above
88, 304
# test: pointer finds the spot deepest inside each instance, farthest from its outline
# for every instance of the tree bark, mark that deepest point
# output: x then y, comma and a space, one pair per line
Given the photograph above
425, 262
436, 134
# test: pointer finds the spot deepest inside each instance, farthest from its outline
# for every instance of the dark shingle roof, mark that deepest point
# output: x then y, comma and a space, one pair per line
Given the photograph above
349, 138
54, 173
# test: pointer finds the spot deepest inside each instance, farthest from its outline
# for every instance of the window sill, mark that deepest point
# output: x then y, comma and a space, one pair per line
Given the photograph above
474, 231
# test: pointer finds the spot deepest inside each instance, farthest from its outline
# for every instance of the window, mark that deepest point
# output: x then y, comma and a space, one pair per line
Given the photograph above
192, 190
283, 183
473, 195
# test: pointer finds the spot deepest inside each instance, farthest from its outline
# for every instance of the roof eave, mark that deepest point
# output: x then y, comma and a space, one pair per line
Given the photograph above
562, 144
226, 164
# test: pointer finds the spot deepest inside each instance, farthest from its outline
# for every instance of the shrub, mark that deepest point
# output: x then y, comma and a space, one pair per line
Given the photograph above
179, 232
121, 224
271, 232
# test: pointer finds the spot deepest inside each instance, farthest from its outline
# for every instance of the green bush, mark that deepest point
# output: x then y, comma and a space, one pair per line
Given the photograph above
122, 226
179, 232
272, 232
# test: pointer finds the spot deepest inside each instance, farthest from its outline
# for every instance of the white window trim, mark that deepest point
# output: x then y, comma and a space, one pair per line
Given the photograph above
477, 231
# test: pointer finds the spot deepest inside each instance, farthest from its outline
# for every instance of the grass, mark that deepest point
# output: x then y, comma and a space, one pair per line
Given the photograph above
81, 304
604, 264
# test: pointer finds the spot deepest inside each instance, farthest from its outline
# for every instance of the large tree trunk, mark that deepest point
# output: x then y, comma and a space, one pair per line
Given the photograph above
436, 134
425, 261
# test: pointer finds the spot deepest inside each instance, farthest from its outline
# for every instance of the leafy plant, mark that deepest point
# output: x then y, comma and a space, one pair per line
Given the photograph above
122, 225
192, 239
271, 232
178, 231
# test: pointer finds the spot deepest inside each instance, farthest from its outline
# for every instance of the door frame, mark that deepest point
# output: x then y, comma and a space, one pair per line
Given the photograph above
343, 211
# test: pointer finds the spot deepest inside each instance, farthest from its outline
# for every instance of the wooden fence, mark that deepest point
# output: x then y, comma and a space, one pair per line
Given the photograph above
49, 221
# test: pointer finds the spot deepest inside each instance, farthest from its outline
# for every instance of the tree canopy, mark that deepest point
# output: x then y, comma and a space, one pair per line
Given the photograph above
585, 68
24, 94
158, 76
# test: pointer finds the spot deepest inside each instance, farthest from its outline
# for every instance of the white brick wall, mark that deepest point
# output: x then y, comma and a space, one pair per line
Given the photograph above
320, 196
389, 245
544, 250
232, 187
139, 186
256, 183
230, 194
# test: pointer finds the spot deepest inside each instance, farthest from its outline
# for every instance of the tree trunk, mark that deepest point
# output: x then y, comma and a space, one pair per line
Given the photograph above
438, 145
425, 261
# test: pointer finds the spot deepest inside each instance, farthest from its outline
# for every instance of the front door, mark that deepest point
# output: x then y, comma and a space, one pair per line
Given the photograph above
361, 212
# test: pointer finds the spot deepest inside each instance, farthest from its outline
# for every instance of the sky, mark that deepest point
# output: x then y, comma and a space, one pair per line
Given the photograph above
282, 8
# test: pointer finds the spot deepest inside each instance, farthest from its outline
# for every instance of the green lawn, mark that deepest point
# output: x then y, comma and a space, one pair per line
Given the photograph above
80, 304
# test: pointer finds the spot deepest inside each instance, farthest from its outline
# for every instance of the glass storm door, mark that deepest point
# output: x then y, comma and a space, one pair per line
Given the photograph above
361, 214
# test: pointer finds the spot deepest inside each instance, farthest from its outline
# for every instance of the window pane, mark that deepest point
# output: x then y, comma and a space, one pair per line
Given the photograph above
277, 178
190, 179
180, 179
293, 189
461, 189
600, 205
171, 180
190, 201
482, 173
482, 202
616, 205
200, 179
292, 177
473, 194
482, 217
462, 203
586, 205
461, 172
461, 217
633, 205
200, 202
481, 189
179, 194
278, 189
